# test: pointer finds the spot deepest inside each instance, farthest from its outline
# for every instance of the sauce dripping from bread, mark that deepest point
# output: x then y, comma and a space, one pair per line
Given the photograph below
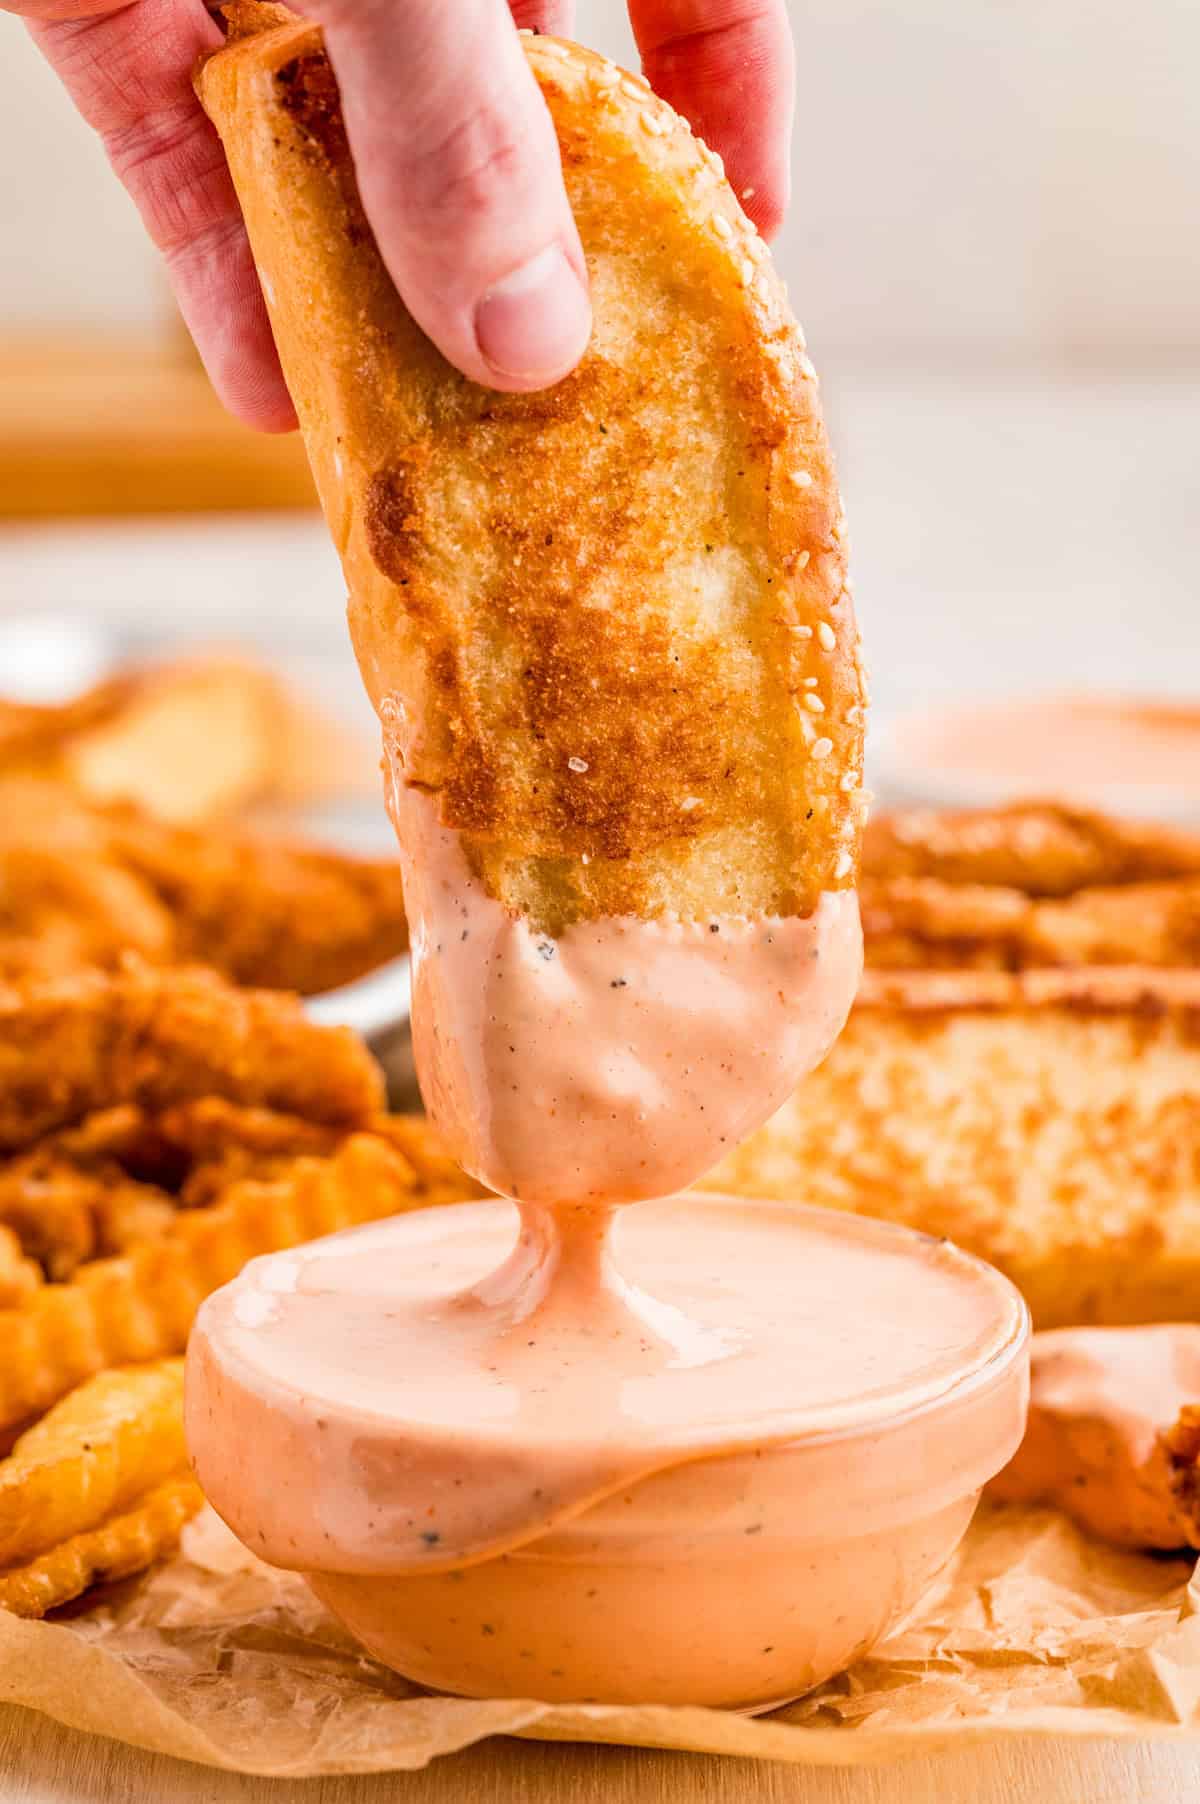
622, 1059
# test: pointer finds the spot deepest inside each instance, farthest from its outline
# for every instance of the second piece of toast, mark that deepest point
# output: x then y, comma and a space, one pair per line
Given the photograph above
1048, 1121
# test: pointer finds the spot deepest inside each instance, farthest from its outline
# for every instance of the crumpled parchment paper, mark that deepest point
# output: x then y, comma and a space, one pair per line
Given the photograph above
216, 1658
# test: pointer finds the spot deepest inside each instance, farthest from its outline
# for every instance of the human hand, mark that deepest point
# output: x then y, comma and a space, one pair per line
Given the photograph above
453, 148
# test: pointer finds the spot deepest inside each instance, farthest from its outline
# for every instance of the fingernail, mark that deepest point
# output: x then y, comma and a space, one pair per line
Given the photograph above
536, 322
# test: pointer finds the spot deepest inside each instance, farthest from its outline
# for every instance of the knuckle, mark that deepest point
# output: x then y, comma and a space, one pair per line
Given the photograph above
470, 168
138, 145
172, 164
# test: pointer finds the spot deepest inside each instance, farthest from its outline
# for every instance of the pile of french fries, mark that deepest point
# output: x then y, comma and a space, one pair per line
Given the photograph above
157, 1130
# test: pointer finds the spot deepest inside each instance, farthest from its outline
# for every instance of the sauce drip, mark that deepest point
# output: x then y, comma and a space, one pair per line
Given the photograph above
609, 1065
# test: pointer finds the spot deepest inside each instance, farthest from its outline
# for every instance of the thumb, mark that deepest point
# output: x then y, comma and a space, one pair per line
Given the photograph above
459, 172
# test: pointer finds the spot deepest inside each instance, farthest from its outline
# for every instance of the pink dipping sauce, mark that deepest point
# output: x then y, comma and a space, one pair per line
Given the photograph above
622, 1059
1130, 755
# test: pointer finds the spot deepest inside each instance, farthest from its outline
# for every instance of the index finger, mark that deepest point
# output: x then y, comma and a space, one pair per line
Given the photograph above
729, 66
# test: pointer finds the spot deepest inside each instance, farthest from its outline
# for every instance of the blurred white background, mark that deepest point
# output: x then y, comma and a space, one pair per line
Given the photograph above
994, 179
995, 250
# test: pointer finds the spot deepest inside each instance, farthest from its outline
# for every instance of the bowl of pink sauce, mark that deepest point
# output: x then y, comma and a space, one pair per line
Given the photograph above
703, 1451
1132, 756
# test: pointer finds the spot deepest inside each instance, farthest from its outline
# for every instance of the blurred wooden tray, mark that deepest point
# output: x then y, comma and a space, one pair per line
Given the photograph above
95, 425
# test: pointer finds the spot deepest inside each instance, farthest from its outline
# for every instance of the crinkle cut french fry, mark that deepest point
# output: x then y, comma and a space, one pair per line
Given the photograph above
125, 1544
90, 1457
140, 1306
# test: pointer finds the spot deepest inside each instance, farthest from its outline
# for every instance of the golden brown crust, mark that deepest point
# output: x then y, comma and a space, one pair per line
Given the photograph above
197, 739
1129, 990
33, 734
264, 911
154, 1038
147, 1171
1031, 885
913, 923
1111, 1439
82, 883
126, 1543
1048, 1121
1181, 1443
919, 922
1037, 848
220, 1210
19, 1275
91, 1456
134, 737
616, 613
65, 1213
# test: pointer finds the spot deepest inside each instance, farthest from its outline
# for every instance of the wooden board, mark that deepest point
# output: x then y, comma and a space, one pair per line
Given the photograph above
127, 426
41, 1763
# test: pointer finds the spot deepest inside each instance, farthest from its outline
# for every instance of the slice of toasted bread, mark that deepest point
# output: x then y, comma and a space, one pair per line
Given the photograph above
609, 623
1048, 1121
